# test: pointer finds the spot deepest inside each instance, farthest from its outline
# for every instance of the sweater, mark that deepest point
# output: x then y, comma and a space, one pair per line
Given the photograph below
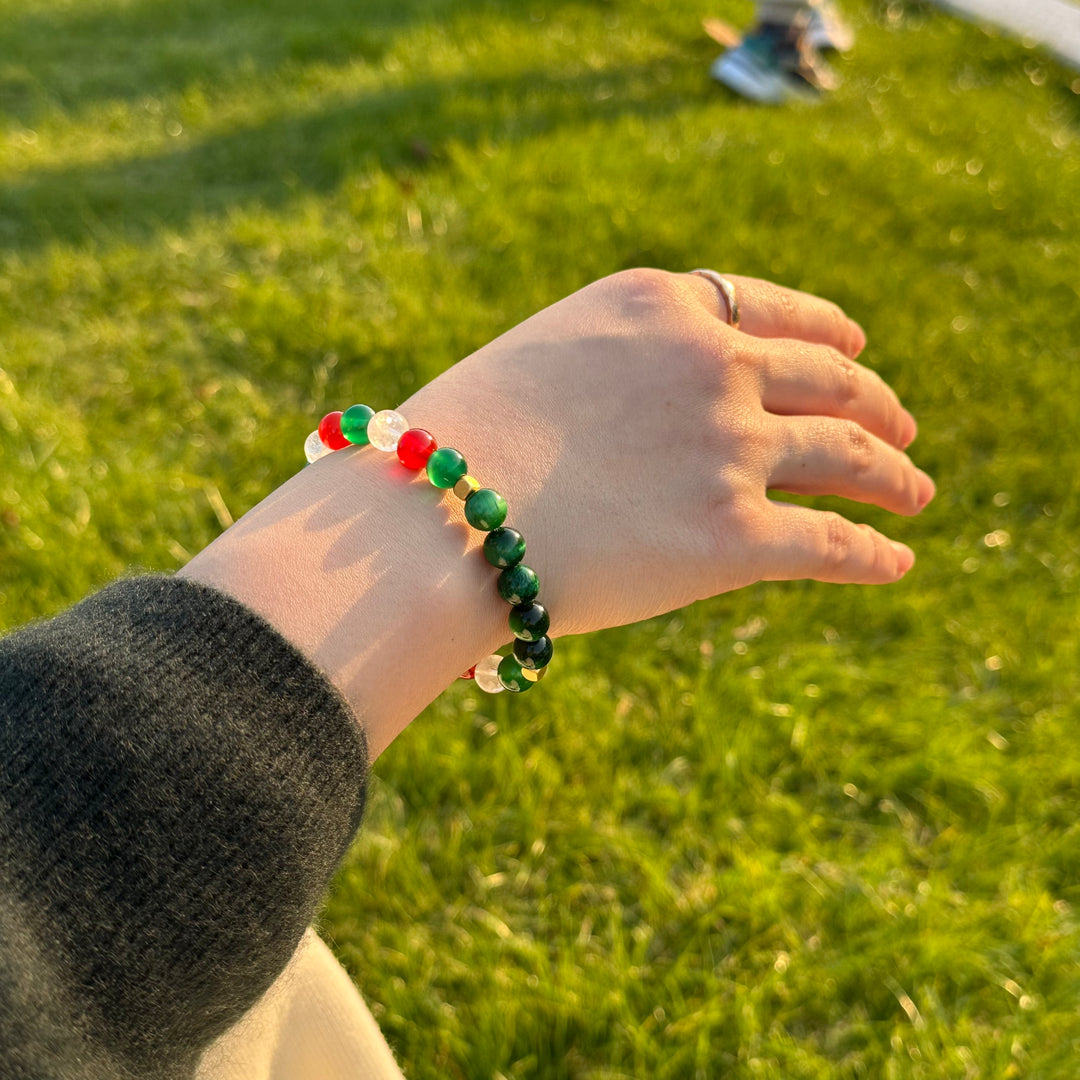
177, 785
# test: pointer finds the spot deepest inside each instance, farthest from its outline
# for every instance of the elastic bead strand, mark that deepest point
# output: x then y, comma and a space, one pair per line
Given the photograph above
485, 510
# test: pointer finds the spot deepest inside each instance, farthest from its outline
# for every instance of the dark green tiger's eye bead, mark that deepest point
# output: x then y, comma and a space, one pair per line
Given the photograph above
518, 584
354, 422
485, 509
529, 621
446, 467
510, 675
534, 654
504, 547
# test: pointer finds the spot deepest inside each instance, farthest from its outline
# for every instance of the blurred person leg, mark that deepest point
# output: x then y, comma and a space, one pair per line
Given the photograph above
311, 1023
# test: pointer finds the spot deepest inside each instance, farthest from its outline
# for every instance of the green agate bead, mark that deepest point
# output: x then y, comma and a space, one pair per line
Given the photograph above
534, 654
354, 422
512, 677
446, 467
529, 621
518, 584
504, 547
485, 509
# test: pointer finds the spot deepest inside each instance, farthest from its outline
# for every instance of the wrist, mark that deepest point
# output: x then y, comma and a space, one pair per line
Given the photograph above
373, 575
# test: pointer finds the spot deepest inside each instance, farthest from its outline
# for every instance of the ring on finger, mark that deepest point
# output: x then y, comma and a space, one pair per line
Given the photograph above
726, 290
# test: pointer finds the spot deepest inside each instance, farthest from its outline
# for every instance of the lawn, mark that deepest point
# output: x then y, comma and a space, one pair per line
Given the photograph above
799, 831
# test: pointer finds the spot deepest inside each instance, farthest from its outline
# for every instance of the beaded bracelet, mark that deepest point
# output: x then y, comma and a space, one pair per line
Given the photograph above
485, 510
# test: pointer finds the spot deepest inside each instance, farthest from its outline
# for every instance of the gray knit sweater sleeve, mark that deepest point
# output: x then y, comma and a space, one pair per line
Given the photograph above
177, 784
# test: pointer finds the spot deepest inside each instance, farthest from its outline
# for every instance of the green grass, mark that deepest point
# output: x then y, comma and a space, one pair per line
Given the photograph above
798, 831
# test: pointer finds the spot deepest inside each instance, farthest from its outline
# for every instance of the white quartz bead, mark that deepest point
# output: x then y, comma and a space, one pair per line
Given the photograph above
315, 448
385, 428
487, 674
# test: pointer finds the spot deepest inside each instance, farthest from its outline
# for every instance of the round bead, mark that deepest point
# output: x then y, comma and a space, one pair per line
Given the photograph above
385, 428
534, 676
487, 674
485, 509
504, 547
330, 431
415, 447
446, 467
466, 486
534, 654
512, 677
315, 448
529, 621
354, 422
471, 673
518, 584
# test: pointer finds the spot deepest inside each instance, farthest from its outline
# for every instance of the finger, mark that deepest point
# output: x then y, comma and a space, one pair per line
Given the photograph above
770, 311
822, 456
801, 379
827, 547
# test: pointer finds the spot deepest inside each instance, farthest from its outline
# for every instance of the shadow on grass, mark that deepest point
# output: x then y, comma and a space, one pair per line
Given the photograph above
267, 164
73, 58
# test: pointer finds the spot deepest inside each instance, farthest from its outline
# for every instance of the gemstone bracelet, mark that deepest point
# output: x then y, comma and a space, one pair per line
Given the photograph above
485, 510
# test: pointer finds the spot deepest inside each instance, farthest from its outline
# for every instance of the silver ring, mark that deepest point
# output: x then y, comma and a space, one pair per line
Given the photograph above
727, 291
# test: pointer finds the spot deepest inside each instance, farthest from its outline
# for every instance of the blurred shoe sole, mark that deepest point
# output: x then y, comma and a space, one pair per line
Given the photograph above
756, 76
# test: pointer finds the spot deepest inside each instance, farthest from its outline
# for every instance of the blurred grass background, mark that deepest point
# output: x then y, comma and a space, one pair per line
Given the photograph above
799, 831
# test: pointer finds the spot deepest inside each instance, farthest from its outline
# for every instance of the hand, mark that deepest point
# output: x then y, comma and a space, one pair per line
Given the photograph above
635, 434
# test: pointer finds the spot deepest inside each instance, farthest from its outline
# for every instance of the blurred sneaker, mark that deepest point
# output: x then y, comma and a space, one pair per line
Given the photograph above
775, 64
753, 71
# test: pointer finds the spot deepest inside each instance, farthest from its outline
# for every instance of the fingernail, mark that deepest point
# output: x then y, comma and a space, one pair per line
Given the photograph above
905, 557
927, 488
858, 338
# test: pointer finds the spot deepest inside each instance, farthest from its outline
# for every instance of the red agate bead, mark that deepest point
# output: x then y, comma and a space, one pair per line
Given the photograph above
470, 674
415, 447
330, 431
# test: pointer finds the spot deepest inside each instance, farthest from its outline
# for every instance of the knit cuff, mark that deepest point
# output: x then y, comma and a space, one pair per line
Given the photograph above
180, 784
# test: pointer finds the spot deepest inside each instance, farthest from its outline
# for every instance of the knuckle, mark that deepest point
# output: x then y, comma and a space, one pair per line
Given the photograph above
859, 445
737, 352
751, 430
736, 530
787, 310
836, 540
725, 516
643, 286
847, 383
878, 562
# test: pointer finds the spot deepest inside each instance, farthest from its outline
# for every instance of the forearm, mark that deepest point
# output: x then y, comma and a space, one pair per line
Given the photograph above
373, 574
